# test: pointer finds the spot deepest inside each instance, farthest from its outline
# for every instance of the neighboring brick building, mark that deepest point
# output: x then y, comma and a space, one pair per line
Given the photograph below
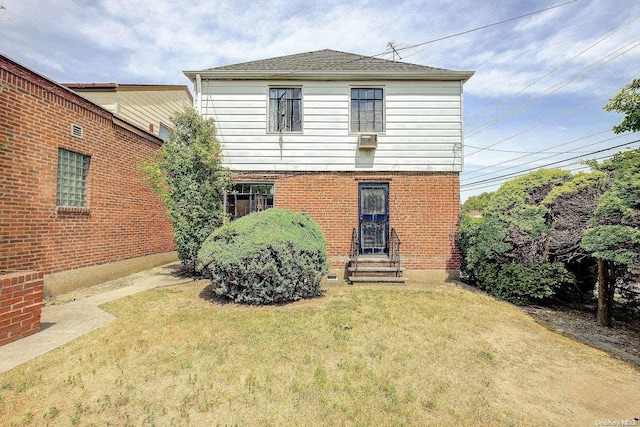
371, 149
73, 203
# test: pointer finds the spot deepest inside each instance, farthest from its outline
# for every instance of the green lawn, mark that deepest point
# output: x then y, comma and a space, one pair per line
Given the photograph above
416, 355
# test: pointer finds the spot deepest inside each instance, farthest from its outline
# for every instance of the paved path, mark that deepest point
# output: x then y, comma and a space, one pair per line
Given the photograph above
63, 323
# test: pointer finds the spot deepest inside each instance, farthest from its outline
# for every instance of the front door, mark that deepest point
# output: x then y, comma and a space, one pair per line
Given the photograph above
373, 210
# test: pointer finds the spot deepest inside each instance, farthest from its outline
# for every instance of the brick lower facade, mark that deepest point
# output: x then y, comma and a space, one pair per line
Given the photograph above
423, 208
20, 305
123, 218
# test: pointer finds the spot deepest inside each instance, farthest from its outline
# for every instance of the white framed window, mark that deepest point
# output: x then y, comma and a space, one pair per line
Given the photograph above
163, 131
285, 109
367, 110
71, 186
249, 197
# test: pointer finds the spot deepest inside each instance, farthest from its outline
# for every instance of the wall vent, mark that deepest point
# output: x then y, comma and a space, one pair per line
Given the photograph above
77, 131
367, 141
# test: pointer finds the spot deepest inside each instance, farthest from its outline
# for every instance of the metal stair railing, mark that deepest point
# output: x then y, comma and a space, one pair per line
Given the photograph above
355, 250
394, 250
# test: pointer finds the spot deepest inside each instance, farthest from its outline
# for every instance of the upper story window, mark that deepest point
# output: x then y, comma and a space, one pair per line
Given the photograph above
367, 110
164, 131
73, 170
285, 110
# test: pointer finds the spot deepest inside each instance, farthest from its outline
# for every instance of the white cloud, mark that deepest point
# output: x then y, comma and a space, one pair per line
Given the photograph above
153, 41
45, 61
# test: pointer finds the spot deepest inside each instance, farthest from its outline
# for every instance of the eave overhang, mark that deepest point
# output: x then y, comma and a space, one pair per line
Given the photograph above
436, 75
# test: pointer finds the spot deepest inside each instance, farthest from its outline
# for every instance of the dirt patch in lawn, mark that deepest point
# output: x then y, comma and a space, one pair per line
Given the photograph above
621, 341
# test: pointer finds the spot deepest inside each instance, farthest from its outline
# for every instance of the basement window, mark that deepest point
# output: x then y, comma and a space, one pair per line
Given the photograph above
249, 197
73, 170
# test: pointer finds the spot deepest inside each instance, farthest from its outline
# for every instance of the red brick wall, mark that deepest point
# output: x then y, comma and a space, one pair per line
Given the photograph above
423, 208
123, 219
20, 305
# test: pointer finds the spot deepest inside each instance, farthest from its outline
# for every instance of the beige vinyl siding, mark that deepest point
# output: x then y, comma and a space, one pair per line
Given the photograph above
423, 130
146, 107
106, 100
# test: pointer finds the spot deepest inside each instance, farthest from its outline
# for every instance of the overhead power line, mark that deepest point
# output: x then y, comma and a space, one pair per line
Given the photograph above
540, 159
577, 166
550, 148
583, 72
523, 172
489, 110
544, 122
482, 27
400, 49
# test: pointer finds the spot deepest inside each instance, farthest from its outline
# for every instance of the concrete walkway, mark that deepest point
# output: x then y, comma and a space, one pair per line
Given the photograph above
63, 323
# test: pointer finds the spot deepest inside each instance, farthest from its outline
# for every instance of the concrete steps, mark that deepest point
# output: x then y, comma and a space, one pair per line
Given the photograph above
373, 269
376, 279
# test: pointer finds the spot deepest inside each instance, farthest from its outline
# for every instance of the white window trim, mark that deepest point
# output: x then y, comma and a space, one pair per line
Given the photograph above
384, 108
278, 132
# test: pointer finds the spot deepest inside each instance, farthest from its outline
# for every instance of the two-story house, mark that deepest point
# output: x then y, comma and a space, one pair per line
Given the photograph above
371, 149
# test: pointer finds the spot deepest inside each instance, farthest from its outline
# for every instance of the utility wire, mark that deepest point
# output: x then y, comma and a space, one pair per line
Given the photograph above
549, 164
585, 71
525, 171
570, 151
482, 28
544, 122
577, 166
489, 110
538, 160
528, 153
399, 49
550, 148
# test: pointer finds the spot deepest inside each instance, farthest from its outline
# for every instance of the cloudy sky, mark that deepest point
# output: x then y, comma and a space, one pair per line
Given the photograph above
536, 98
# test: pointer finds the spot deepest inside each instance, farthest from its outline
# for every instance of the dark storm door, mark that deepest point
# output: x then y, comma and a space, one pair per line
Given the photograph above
373, 207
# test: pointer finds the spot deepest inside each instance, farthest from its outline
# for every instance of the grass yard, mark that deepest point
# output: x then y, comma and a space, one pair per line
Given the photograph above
416, 355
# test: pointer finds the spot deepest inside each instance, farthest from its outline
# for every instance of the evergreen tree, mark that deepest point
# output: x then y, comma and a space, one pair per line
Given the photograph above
189, 175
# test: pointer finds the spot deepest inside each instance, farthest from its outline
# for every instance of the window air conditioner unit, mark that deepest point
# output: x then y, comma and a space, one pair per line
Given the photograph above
367, 141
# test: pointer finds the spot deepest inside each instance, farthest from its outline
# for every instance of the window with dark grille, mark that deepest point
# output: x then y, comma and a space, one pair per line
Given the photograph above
285, 110
367, 110
249, 197
73, 169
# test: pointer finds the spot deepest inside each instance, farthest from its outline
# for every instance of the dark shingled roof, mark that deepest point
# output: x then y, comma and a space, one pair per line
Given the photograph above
326, 60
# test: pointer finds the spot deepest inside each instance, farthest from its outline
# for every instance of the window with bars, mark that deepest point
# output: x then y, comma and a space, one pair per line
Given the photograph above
73, 169
367, 110
248, 197
285, 110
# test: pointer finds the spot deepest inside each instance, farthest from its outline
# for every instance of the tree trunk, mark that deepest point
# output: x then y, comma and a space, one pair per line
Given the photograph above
605, 293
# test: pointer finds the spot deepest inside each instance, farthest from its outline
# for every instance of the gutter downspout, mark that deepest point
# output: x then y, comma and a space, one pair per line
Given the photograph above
461, 126
198, 100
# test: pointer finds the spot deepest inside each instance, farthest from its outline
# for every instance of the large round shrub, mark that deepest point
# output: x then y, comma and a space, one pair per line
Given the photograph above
267, 257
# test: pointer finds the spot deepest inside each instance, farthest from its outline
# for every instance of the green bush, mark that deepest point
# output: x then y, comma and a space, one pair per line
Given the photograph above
188, 173
268, 257
526, 246
523, 284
